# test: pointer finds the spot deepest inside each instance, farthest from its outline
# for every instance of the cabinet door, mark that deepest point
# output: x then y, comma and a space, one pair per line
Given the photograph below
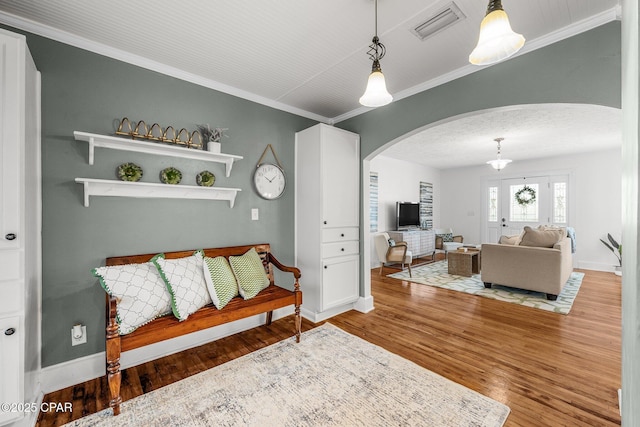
9, 366
339, 281
11, 141
340, 178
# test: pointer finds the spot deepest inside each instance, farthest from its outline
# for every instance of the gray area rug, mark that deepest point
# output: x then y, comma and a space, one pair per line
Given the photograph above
331, 378
436, 275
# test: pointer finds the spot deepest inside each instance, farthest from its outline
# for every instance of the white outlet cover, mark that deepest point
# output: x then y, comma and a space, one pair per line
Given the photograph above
255, 215
83, 338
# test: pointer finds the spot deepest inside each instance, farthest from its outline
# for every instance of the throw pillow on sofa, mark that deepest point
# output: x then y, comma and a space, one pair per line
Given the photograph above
541, 238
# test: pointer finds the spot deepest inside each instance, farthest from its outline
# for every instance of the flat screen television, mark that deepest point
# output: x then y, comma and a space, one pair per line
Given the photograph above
407, 215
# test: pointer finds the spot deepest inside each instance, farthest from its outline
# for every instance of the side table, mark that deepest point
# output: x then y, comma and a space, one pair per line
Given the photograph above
464, 263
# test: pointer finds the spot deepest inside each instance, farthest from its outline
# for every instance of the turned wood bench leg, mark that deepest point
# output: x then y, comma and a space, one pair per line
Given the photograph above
113, 350
269, 317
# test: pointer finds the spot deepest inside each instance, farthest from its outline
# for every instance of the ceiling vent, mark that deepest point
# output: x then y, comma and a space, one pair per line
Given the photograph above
442, 19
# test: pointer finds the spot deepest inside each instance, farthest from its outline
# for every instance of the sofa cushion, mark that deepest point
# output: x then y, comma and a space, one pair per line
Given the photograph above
541, 238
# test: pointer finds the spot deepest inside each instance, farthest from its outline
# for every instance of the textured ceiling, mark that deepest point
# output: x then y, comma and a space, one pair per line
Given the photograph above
529, 131
309, 58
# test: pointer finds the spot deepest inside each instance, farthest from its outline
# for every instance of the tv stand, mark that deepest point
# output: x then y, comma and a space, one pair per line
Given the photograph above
419, 242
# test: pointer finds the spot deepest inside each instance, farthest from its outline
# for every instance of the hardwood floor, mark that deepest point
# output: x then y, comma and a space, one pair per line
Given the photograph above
550, 369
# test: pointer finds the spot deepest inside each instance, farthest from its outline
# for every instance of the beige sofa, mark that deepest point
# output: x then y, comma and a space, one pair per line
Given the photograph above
535, 268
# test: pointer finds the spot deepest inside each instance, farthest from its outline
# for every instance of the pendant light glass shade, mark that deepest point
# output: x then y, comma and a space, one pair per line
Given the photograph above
376, 94
497, 40
499, 163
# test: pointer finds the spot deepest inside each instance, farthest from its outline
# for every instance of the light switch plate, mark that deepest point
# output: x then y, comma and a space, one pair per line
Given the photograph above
255, 215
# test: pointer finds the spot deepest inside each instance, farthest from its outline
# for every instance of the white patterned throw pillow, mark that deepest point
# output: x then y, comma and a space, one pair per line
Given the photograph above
141, 293
185, 281
249, 273
220, 280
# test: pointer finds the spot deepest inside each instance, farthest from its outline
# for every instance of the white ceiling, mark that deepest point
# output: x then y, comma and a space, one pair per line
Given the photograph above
305, 57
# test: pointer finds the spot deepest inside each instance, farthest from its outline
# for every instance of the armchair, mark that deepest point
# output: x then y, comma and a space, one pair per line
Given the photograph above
446, 241
395, 254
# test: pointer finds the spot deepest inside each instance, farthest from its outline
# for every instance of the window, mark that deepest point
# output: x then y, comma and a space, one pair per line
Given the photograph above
559, 202
523, 213
493, 204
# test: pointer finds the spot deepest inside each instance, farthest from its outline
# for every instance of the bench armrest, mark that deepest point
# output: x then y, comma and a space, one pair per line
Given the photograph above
294, 270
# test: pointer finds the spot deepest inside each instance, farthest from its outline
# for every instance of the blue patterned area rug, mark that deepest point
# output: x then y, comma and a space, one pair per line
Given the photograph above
331, 378
436, 275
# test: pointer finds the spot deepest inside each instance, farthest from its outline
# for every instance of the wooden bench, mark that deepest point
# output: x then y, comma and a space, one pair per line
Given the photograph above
163, 328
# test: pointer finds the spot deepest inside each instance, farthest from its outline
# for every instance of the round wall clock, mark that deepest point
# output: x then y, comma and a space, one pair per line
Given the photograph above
269, 181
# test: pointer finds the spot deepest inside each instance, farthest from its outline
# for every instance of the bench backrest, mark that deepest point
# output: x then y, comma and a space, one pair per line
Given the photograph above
263, 249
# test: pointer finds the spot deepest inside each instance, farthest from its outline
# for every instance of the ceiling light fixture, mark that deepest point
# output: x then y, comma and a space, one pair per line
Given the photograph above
497, 40
376, 94
499, 163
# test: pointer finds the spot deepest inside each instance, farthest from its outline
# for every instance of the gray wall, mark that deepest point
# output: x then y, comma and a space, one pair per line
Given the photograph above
87, 92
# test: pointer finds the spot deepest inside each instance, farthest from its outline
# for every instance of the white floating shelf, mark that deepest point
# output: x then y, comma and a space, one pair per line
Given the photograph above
127, 144
105, 187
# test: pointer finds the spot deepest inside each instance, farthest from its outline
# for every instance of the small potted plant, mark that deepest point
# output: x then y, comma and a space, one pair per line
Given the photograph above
616, 248
211, 137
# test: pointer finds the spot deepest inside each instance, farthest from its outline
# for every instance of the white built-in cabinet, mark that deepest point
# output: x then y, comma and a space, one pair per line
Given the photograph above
20, 225
327, 201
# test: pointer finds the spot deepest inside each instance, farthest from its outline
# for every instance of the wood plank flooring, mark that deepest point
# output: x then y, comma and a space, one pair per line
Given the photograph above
550, 369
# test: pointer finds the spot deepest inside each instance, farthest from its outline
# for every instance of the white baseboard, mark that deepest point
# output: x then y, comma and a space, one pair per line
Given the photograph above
597, 266
620, 400
86, 368
316, 317
364, 305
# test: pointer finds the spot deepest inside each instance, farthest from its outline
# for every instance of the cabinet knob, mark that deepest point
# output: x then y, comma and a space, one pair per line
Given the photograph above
325, 222
325, 267
10, 331
342, 235
342, 249
10, 236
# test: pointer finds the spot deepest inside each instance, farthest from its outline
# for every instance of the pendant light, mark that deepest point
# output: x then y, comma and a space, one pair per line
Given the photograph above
497, 40
499, 163
376, 94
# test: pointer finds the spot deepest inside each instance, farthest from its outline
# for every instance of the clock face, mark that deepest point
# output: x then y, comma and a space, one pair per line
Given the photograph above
269, 181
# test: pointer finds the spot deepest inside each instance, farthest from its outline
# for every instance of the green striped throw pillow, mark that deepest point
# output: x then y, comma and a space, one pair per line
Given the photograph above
249, 273
221, 282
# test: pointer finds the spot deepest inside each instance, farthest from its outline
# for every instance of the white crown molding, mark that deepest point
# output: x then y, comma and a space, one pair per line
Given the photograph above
137, 60
579, 27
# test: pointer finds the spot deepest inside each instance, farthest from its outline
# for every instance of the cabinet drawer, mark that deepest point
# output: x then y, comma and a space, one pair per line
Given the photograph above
339, 249
339, 234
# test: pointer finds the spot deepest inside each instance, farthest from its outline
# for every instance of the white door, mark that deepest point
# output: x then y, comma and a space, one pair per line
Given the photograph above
525, 202
512, 204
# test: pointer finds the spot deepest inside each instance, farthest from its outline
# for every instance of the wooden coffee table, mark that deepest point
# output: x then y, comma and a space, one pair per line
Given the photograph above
464, 263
